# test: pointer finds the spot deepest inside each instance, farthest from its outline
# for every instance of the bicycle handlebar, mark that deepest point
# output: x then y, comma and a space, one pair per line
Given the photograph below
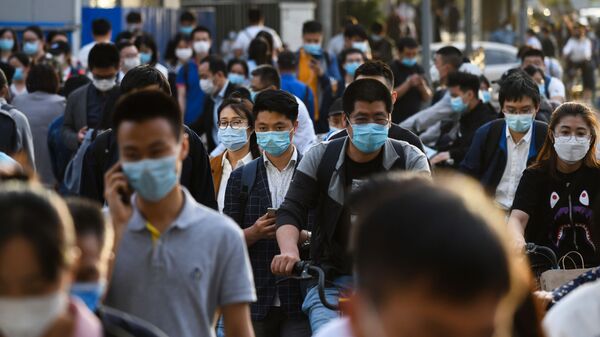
532, 248
306, 270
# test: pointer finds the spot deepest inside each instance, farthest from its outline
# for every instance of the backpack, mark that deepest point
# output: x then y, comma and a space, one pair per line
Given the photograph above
8, 131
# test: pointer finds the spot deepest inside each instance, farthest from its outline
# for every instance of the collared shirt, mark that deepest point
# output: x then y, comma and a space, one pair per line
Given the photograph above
279, 181
199, 263
218, 99
516, 163
227, 169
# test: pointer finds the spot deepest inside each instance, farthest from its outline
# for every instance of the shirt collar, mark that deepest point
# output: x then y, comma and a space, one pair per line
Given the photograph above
221, 93
526, 138
247, 158
186, 217
290, 163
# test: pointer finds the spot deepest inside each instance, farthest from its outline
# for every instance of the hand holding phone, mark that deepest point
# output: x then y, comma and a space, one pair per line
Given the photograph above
117, 194
271, 212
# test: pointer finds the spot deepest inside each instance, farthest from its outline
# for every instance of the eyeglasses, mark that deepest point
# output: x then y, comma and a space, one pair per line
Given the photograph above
361, 120
580, 139
517, 112
236, 125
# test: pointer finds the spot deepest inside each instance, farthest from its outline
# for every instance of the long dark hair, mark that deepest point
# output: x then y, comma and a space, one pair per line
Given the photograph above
243, 108
547, 158
15, 47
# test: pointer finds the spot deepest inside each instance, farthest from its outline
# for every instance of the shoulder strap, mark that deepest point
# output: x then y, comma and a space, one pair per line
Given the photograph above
328, 162
101, 149
400, 163
491, 142
248, 176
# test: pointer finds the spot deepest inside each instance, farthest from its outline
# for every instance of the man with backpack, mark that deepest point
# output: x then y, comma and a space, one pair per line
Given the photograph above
326, 175
253, 191
503, 148
15, 133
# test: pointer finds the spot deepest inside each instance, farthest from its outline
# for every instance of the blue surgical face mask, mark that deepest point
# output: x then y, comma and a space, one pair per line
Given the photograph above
409, 62
187, 30
274, 143
542, 88
145, 58
30, 48
152, 179
18, 75
362, 46
313, 49
253, 95
351, 67
519, 122
458, 105
370, 137
90, 293
233, 139
6, 44
485, 96
236, 78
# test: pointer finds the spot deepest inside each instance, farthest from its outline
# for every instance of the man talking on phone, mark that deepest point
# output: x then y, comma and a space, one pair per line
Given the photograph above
253, 194
177, 261
319, 71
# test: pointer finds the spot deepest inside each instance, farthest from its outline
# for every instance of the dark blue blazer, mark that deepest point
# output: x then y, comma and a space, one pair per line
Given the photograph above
262, 252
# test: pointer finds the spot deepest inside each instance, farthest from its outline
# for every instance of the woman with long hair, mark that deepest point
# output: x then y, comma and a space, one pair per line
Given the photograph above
554, 200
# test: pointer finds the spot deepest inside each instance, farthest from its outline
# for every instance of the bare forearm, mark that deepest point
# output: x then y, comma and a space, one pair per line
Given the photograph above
288, 237
237, 320
425, 92
250, 236
402, 89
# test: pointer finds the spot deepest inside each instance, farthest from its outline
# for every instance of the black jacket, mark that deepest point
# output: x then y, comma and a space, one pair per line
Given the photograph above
103, 153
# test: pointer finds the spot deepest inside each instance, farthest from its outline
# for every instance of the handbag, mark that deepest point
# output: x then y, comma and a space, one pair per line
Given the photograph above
554, 278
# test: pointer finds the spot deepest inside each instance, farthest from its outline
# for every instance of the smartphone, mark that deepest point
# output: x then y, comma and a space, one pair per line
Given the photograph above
272, 212
125, 194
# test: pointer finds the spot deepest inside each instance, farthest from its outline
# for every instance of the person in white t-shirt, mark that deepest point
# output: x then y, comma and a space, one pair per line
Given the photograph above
532, 40
101, 32
246, 35
408, 278
555, 89
578, 56
577, 314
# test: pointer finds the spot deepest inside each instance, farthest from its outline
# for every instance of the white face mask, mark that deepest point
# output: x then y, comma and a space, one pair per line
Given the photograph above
104, 84
30, 317
131, 62
183, 54
434, 74
207, 86
201, 47
571, 149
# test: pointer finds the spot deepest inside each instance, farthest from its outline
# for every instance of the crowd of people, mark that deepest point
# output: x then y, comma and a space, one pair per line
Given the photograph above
179, 199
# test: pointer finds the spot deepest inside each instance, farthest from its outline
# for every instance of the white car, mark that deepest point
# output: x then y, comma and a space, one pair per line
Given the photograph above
492, 58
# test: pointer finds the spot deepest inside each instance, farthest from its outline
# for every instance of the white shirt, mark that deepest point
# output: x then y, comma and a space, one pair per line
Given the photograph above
534, 42
516, 163
336, 44
556, 88
163, 70
227, 169
339, 327
245, 36
84, 52
578, 50
577, 314
279, 181
305, 135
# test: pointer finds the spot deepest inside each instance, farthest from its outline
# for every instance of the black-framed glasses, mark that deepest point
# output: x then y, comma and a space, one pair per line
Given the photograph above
235, 124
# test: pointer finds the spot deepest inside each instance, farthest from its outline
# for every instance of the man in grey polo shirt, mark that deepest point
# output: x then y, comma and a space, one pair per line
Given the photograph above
177, 261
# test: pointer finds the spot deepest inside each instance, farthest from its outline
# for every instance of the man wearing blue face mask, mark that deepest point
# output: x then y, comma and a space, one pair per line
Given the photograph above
502, 149
409, 82
95, 243
326, 175
279, 305
177, 261
456, 136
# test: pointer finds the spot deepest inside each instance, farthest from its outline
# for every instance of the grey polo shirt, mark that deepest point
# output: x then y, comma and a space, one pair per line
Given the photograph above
199, 264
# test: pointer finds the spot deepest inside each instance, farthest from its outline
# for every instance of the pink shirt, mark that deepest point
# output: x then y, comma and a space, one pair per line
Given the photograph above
86, 323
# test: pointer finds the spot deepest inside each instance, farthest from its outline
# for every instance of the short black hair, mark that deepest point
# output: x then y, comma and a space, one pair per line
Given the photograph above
530, 31
148, 41
74, 83
100, 27
124, 44
39, 217
52, 34
531, 52
531, 70
268, 37
22, 57
143, 76
355, 30
36, 30
268, 75
215, 64
366, 90
87, 218
133, 17
376, 68
484, 80
143, 105
103, 55
258, 51
187, 16
287, 61
241, 62
399, 242
406, 42
451, 55
465, 81
201, 29
254, 15
515, 86
312, 26
277, 101
349, 51
377, 27
42, 77
124, 36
